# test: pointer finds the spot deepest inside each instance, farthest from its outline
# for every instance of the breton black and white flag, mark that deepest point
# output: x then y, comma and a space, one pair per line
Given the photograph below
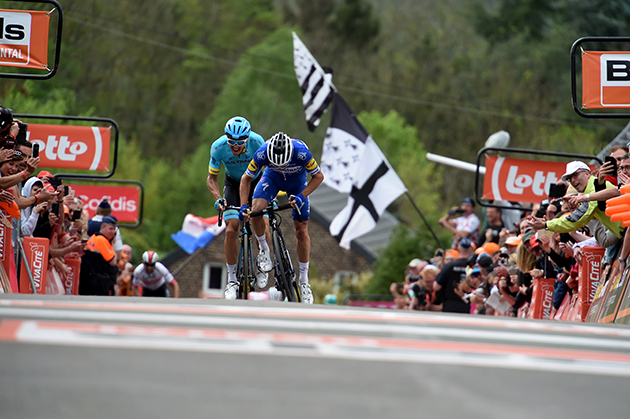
373, 183
316, 84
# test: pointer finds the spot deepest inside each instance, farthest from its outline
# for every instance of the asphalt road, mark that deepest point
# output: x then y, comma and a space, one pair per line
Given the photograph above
77, 357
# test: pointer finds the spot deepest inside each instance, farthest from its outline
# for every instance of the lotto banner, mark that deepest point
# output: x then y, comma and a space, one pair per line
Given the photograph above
519, 180
71, 147
542, 299
24, 38
36, 249
590, 277
605, 79
124, 200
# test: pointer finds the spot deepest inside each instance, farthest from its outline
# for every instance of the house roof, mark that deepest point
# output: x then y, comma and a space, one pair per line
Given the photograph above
326, 203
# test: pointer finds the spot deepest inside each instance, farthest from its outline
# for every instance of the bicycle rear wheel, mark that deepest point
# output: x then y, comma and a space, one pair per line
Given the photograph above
283, 272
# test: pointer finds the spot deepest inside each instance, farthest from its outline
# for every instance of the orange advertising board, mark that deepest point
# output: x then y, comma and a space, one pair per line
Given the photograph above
36, 249
6, 253
519, 180
71, 277
124, 200
590, 277
71, 147
542, 299
605, 79
24, 38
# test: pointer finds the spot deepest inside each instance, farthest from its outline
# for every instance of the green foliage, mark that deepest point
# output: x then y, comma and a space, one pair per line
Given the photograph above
258, 83
400, 144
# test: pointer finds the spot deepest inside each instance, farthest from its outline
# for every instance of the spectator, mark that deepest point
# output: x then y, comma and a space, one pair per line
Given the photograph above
491, 233
466, 225
98, 264
448, 279
399, 290
94, 224
579, 175
422, 293
511, 244
153, 276
125, 272
30, 214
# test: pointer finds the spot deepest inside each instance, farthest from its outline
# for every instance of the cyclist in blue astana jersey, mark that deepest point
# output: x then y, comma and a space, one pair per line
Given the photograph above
288, 161
235, 150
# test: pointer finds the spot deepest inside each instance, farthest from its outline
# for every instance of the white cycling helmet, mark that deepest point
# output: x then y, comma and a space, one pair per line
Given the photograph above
150, 257
280, 149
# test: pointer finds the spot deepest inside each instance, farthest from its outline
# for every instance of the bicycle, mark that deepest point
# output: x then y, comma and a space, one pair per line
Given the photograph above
284, 273
245, 270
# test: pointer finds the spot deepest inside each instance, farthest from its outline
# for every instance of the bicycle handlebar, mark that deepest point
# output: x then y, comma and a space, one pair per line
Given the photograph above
273, 208
270, 209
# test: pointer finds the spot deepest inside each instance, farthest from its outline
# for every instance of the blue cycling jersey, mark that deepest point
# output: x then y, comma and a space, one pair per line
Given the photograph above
235, 166
301, 162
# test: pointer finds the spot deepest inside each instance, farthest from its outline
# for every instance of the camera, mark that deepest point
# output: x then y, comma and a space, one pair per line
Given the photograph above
414, 278
55, 182
455, 211
21, 135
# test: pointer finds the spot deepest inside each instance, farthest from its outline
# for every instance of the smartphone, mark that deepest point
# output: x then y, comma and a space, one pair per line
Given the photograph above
614, 163
55, 182
35, 150
55, 208
76, 215
557, 191
66, 190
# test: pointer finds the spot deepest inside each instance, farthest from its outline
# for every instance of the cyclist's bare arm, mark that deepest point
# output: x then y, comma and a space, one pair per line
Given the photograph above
213, 186
313, 184
246, 184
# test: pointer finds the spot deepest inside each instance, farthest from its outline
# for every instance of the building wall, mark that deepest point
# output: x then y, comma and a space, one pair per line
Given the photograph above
326, 258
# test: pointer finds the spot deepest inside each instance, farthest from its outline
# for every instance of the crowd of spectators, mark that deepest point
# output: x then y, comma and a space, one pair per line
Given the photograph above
491, 266
41, 206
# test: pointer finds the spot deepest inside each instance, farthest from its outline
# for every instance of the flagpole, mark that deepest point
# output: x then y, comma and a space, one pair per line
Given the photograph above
439, 243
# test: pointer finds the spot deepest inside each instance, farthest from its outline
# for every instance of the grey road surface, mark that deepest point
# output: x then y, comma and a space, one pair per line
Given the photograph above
78, 357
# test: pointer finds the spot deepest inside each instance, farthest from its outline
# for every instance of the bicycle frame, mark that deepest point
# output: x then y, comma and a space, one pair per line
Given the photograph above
283, 267
245, 271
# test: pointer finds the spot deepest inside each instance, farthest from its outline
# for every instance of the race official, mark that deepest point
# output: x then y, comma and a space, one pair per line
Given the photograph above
98, 264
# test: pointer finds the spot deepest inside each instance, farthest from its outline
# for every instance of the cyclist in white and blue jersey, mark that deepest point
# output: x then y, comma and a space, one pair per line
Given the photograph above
234, 150
288, 161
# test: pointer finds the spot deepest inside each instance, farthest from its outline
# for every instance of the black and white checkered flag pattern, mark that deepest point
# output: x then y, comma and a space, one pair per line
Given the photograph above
316, 85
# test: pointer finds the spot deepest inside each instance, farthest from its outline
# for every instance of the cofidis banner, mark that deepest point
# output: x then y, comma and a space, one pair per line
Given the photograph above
124, 200
605, 79
24, 38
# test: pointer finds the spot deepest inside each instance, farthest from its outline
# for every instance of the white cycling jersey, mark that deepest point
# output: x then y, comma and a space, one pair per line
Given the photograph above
155, 279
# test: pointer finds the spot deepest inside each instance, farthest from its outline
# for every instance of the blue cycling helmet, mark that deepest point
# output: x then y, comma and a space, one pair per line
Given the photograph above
238, 128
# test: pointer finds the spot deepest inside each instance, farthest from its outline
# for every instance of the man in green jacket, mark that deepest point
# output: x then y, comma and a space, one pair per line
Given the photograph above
578, 174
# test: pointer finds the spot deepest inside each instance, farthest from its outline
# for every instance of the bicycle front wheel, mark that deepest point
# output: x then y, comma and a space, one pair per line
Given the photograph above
283, 272
247, 267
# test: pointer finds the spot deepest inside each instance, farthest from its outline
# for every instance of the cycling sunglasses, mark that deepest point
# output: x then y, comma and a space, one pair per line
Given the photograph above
238, 142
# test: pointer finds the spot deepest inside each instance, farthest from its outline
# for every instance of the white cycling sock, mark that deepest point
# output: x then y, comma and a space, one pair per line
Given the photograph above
262, 243
231, 273
304, 273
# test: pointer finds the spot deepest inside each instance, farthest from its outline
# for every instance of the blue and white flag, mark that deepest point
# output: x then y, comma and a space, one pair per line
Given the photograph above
197, 232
